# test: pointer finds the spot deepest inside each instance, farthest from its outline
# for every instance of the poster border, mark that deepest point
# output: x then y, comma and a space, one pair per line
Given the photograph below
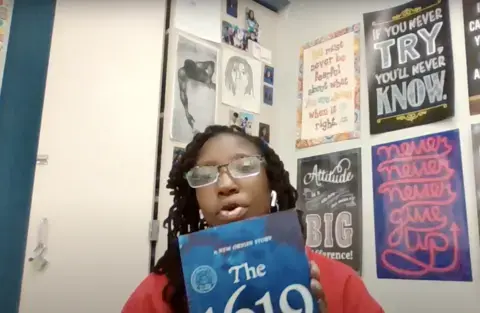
306, 143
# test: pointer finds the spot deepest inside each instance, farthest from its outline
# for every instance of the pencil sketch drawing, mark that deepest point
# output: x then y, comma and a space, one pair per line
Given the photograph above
195, 96
201, 72
239, 76
241, 83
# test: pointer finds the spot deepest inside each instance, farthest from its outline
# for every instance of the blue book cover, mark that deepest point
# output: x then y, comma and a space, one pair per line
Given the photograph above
256, 265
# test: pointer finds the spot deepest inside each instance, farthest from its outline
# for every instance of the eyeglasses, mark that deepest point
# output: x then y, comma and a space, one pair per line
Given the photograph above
201, 176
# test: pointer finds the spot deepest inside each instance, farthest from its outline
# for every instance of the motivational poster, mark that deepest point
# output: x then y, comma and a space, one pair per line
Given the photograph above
241, 267
471, 18
421, 229
476, 164
330, 194
409, 65
329, 89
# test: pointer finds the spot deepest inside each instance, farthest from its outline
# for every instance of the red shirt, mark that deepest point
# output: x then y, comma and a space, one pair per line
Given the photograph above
343, 288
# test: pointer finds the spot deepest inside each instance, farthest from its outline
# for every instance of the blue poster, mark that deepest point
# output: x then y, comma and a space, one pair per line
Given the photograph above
421, 230
258, 264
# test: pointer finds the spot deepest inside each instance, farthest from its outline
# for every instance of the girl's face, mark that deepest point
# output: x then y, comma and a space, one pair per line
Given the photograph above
249, 194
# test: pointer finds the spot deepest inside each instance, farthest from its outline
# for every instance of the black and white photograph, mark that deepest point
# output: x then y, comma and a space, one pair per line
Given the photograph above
330, 195
242, 81
195, 89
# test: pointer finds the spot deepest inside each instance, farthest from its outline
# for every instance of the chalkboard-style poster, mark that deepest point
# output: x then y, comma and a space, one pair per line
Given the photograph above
330, 194
476, 163
409, 65
421, 229
471, 17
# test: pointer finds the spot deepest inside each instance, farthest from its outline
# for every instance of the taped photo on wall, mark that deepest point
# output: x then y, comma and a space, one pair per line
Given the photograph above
268, 75
234, 36
243, 120
264, 132
267, 95
253, 28
232, 8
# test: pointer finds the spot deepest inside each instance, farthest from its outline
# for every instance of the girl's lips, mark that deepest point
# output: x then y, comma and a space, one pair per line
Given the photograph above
232, 215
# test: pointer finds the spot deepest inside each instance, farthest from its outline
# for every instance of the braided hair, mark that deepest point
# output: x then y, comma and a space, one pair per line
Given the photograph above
184, 215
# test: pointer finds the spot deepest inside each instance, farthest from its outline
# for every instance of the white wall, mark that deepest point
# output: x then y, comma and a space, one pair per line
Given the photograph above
308, 20
268, 24
99, 130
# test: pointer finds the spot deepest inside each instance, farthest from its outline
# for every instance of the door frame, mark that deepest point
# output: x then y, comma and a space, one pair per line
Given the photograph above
21, 104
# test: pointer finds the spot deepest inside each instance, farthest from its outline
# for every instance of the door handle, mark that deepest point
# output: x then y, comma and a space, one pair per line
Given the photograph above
42, 159
38, 259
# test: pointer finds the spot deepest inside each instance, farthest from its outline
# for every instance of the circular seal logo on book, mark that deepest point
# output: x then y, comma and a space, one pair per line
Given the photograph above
204, 279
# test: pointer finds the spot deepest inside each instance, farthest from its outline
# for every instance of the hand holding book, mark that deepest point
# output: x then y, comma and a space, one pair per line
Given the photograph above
316, 287
257, 265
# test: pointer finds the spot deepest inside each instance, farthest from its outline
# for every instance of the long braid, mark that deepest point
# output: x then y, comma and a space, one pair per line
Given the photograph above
184, 215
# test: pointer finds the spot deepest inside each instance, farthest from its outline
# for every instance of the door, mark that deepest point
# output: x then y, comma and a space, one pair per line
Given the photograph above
99, 133
25, 32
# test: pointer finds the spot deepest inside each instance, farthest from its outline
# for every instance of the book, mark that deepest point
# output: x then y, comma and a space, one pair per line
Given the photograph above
255, 265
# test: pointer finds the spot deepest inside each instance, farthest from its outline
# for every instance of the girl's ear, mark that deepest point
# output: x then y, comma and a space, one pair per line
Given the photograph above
273, 196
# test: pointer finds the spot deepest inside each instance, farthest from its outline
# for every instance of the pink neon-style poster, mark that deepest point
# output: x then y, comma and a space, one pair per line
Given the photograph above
421, 230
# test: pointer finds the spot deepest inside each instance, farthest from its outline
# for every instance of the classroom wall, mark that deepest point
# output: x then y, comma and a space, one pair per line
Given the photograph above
99, 129
268, 25
307, 20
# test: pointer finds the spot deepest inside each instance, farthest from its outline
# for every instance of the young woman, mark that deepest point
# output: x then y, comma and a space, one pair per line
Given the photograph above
224, 176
